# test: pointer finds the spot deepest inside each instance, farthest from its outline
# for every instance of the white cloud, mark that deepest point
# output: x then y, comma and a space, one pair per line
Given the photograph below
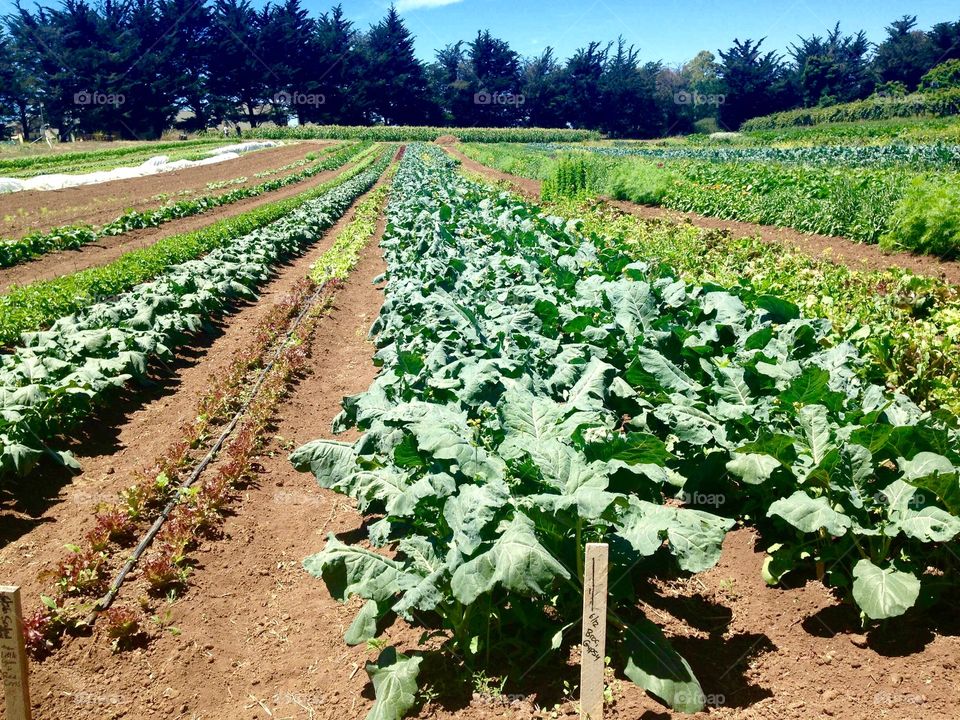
404, 5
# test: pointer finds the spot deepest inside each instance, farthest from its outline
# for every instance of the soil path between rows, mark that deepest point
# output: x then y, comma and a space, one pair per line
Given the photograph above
25, 212
108, 249
855, 255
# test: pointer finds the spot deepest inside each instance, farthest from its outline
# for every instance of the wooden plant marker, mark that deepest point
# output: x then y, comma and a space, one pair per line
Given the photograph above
13, 655
594, 641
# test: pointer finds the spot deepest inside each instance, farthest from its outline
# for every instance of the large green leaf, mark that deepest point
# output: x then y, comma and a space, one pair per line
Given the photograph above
809, 514
753, 469
694, 537
516, 560
590, 390
910, 514
656, 667
652, 370
469, 512
883, 592
349, 570
394, 679
443, 443
329, 461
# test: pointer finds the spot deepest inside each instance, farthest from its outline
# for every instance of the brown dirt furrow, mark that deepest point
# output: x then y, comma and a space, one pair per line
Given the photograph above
855, 255
26, 212
108, 249
530, 189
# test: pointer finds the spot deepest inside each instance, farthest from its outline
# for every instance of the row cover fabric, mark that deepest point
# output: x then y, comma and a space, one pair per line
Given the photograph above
154, 165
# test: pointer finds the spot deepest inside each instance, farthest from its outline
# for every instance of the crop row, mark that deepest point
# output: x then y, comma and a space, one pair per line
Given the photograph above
59, 375
899, 209
35, 306
932, 156
540, 389
942, 103
401, 133
345, 252
912, 130
14, 252
904, 325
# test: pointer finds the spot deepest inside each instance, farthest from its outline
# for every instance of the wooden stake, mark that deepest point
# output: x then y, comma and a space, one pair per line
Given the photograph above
13, 655
594, 643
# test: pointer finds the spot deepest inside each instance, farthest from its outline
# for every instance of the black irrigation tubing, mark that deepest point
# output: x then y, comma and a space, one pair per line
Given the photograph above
106, 601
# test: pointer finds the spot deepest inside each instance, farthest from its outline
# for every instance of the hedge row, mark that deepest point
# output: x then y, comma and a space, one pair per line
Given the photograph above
934, 104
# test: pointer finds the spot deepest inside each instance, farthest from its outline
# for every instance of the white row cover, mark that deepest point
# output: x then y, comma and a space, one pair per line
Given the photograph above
154, 165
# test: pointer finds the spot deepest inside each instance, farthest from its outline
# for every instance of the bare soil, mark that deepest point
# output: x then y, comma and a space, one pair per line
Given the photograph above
256, 637
108, 249
25, 212
837, 249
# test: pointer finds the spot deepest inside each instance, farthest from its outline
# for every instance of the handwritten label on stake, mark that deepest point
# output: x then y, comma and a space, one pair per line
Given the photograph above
594, 631
13, 655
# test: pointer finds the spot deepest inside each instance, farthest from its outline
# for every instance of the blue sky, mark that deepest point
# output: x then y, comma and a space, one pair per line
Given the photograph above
668, 30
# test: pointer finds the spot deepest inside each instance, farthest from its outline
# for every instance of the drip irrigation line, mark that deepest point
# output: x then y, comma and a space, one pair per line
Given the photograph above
106, 601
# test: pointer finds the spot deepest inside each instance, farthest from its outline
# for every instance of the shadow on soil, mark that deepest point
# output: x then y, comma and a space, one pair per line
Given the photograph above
900, 637
24, 501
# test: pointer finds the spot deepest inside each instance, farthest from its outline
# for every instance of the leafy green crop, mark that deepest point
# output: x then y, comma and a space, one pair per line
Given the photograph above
906, 326
337, 262
928, 218
851, 202
539, 390
930, 156
55, 379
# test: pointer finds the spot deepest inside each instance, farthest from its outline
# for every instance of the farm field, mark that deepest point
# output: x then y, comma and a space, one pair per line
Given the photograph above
35, 257
346, 524
900, 197
37, 158
33, 211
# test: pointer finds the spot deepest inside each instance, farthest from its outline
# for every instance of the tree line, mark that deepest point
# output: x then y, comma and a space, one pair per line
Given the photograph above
130, 68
